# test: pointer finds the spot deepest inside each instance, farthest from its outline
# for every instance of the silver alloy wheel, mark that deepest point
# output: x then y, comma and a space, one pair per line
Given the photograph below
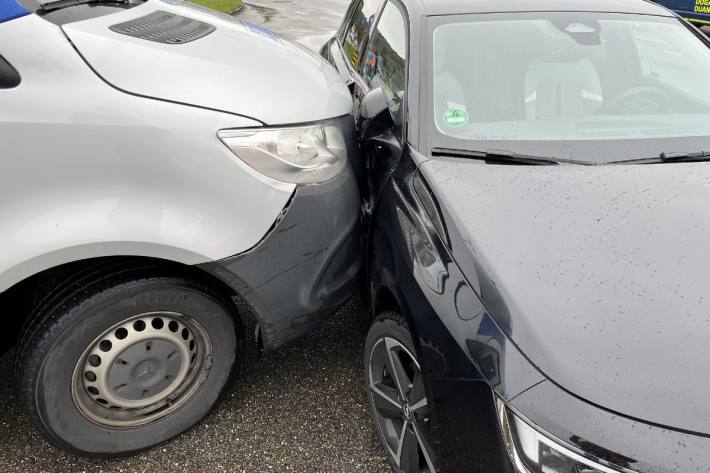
400, 405
141, 369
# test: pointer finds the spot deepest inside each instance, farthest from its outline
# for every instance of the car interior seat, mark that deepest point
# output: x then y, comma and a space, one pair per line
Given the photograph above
561, 82
512, 72
483, 67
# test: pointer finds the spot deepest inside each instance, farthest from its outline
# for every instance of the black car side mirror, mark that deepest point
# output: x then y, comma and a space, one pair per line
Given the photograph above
375, 116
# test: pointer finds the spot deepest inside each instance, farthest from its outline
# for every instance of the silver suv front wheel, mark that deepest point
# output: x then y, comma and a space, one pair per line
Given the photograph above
123, 357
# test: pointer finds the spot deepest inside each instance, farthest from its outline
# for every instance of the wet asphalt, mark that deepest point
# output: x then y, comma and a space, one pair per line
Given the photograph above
310, 22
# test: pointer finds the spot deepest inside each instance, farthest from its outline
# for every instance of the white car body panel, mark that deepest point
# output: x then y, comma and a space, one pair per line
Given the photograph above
234, 69
88, 170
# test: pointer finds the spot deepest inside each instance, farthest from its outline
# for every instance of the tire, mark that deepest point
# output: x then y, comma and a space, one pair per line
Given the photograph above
398, 404
124, 357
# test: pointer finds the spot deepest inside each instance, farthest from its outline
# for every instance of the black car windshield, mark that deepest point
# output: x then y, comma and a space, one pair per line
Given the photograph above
595, 87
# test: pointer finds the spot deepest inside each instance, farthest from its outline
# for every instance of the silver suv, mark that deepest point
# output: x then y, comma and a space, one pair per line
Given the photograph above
159, 162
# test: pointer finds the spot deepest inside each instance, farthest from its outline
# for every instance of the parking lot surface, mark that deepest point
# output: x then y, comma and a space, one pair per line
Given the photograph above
299, 409
310, 22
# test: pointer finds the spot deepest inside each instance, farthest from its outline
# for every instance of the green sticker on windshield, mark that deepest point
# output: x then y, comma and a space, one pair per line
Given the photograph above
456, 117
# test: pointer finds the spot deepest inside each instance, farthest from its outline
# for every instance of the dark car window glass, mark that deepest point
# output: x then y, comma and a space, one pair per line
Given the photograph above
358, 31
384, 64
661, 59
555, 81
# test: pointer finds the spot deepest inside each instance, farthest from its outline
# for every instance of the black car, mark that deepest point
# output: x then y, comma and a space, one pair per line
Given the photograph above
538, 245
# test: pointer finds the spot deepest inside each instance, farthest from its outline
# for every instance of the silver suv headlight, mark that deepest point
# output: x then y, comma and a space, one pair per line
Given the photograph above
533, 452
309, 154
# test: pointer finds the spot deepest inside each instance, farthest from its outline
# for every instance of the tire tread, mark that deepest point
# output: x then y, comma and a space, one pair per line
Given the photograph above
65, 302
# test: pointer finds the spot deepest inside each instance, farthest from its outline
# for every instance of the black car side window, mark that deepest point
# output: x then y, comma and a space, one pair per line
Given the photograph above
358, 31
9, 77
384, 64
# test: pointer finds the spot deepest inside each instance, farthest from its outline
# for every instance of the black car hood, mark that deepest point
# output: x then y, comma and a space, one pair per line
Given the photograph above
601, 275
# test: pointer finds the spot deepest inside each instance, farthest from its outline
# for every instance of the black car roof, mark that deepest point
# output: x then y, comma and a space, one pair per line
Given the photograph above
451, 7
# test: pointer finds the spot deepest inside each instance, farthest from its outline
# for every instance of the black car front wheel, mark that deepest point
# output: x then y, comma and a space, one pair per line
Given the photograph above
397, 396
123, 358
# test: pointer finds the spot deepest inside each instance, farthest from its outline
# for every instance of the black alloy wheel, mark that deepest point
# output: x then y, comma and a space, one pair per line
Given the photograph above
397, 396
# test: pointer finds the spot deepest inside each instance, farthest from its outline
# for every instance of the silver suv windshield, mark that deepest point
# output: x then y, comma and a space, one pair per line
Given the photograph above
559, 84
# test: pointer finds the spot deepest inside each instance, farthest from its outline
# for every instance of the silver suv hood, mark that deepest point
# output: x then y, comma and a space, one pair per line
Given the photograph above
237, 68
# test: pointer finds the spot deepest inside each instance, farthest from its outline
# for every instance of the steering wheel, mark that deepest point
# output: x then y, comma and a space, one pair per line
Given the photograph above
636, 101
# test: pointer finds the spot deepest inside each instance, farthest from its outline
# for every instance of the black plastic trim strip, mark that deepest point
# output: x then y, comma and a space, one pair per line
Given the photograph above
164, 27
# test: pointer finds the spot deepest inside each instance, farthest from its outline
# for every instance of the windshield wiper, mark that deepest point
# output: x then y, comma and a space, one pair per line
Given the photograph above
59, 4
503, 157
670, 158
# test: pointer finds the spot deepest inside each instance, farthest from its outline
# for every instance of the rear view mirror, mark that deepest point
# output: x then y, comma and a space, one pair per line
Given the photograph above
375, 117
373, 104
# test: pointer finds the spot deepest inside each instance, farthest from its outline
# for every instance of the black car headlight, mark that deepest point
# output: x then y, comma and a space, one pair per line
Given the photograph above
531, 451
